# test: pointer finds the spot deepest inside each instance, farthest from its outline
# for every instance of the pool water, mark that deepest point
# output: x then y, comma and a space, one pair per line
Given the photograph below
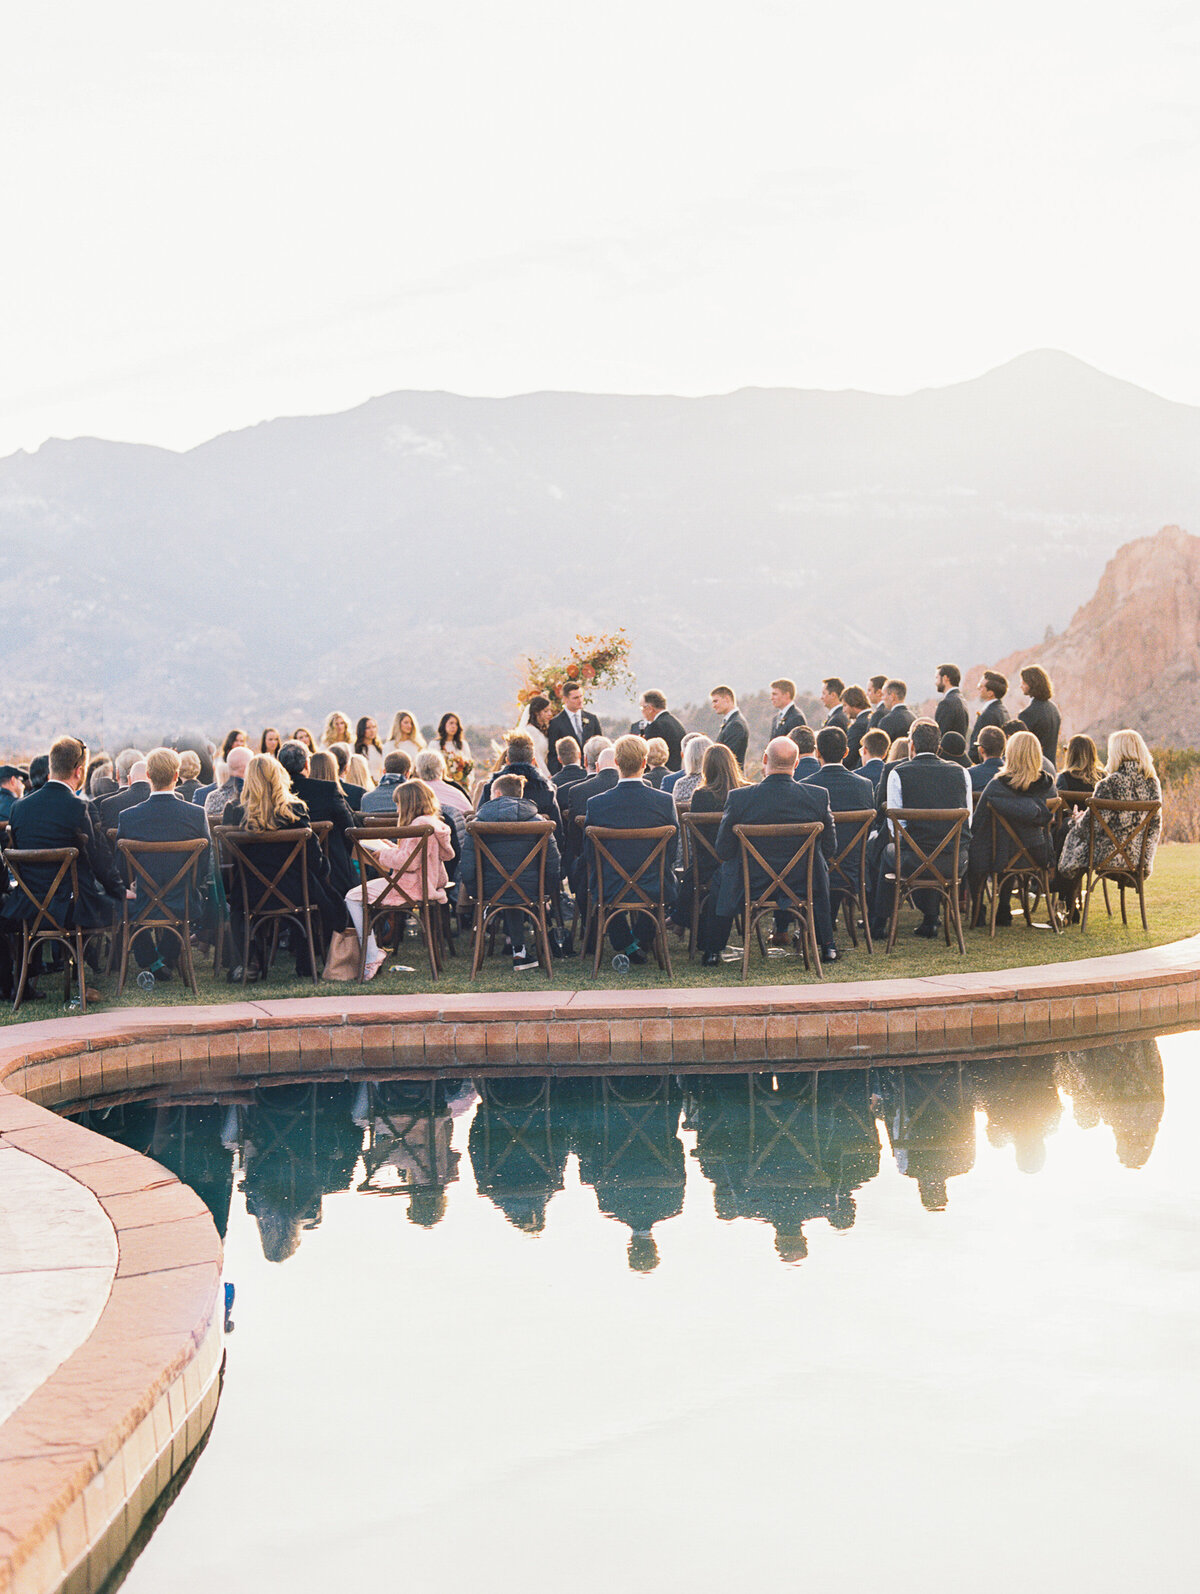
915, 1328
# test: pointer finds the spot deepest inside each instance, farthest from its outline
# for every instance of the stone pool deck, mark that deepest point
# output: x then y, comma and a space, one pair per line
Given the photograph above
111, 1269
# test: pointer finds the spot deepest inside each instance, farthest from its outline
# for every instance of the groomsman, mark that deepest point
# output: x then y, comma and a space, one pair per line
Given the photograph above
897, 716
573, 720
875, 688
858, 712
951, 713
734, 732
832, 688
991, 694
783, 700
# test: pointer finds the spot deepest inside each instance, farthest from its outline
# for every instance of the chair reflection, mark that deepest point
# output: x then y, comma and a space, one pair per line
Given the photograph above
929, 1114
1020, 1097
519, 1143
408, 1126
1121, 1086
297, 1143
627, 1138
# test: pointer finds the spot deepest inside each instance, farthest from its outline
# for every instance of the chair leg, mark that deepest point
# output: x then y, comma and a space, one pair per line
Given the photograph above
599, 925
543, 931
426, 922
26, 955
808, 935
125, 940
894, 919
1107, 903
849, 914
1121, 893
751, 924
80, 972
1141, 891
477, 937
952, 903
866, 918
1087, 902
662, 936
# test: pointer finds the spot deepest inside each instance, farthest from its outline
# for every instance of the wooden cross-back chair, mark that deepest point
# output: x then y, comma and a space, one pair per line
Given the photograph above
265, 904
153, 913
699, 832
1125, 865
640, 893
1021, 870
510, 896
852, 846
322, 829
421, 904
779, 895
49, 927
934, 868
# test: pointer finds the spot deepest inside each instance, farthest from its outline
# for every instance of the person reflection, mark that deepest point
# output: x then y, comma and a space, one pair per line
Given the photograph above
1020, 1097
186, 1140
626, 1135
930, 1121
519, 1142
847, 1137
298, 1144
409, 1124
1120, 1085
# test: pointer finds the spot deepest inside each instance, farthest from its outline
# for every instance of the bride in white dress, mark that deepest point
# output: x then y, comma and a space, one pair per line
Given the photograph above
535, 716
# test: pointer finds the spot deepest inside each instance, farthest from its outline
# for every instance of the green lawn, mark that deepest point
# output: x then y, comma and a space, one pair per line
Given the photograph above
1173, 906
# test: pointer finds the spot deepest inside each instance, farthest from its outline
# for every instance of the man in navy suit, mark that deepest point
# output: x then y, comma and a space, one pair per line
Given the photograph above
992, 688
787, 717
657, 720
734, 732
134, 790
875, 745
576, 798
991, 747
832, 688
848, 793
806, 746
632, 805
164, 816
776, 800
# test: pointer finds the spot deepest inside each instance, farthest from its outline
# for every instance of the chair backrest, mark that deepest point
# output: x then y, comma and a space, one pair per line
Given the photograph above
263, 893
645, 885
63, 861
385, 816
322, 829
535, 837
779, 888
700, 831
1128, 854
925, 858
408, 884
853, 826
1019, 857
152, 906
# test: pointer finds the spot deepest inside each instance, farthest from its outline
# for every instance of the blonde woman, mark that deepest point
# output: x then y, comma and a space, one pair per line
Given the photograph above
358, 772
404, 736
657, 754
337, 729
416, 805
1130, 777
1019, 791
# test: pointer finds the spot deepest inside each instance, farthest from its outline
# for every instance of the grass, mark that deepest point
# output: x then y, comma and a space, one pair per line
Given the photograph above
1173, 908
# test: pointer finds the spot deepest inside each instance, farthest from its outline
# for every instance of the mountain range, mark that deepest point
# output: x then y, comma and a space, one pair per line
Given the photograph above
406, 553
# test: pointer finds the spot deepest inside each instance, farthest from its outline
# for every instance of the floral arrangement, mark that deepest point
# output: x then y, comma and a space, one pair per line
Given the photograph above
593, 662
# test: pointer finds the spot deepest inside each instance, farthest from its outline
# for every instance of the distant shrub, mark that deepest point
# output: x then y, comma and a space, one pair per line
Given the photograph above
1181, 806
1174, 763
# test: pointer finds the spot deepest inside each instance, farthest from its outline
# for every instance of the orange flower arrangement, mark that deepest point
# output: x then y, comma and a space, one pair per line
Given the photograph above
594, 661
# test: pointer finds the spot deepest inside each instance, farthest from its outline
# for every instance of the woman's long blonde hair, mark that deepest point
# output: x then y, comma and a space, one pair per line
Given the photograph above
396, 735
358, 772
1123, 745
268, 801
414, 798
329, 736
1022, 760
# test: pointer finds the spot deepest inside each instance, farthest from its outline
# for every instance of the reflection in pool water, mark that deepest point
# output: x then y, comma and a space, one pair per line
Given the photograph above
477, 1391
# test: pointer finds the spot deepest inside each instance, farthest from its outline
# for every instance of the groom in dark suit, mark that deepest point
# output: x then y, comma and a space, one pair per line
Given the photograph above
573, 720
734, 732
787, 717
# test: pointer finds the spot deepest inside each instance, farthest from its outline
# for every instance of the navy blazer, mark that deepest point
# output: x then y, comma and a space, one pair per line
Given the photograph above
992, 713
632, 805
735, 734
807, 765
847, 794
166, 817
872, 770
111, 808
982, 773
53, 816
785, 720
776, 800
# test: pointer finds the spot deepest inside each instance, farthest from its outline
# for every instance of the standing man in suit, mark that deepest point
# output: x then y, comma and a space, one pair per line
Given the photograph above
898, 716
875, 688
992, 688
832, 688
951, 713
572, 720
632, 805
734, 732
806, 746
165, 817
777, 799
858, 712
787, 717
656, 721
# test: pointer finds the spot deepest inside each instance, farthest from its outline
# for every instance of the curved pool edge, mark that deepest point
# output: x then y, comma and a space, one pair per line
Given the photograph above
86, 1456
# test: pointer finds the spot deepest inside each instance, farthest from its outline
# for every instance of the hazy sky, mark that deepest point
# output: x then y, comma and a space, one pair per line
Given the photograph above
219, 213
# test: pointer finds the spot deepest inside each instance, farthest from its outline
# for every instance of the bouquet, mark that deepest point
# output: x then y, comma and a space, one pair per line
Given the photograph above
593, 662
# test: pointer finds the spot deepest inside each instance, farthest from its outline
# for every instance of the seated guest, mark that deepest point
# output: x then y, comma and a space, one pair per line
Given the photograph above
786, 716
805, 742
12, 788
832, 688
897, 716
682, 787
1018, 792
848, 793
267, 802
778, 799
189, 775
954, 748
358, 773
951, 713
352, 791
570, 762
131, 771
431, 768
508, 806
898, 752
397, 767
578, 797
518, 760
416, 805
658, 722
163, 818
656, 760
992, 687
734, 732
921, 781
230, 789
991, 748
631, 805
720, 775
1129, 777
101, 781
324, 800
53, 816
39, 771
1041, 716
1083, 767
875, 747
858, 715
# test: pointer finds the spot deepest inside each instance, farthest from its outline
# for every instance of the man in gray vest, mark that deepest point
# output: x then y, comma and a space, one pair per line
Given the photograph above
923, 780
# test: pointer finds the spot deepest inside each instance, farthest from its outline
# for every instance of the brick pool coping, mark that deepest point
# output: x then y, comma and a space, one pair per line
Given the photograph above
86, 1456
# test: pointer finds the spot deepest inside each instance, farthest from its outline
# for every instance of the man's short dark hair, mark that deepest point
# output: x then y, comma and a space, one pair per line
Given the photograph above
991, 741
1011, 727
831, 744
855, 698
996, 683
785, 686
899, 687
39, 771
924, 736
803, 738
397, 764
293, 756
875, 744
655, 699
508, 786
834, 683
341, 752
878, 682
952, 673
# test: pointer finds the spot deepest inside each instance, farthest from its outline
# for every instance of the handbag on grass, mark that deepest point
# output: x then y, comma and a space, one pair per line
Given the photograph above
342, 962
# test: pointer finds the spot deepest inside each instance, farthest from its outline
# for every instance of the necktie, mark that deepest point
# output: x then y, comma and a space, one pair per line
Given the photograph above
577, 721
